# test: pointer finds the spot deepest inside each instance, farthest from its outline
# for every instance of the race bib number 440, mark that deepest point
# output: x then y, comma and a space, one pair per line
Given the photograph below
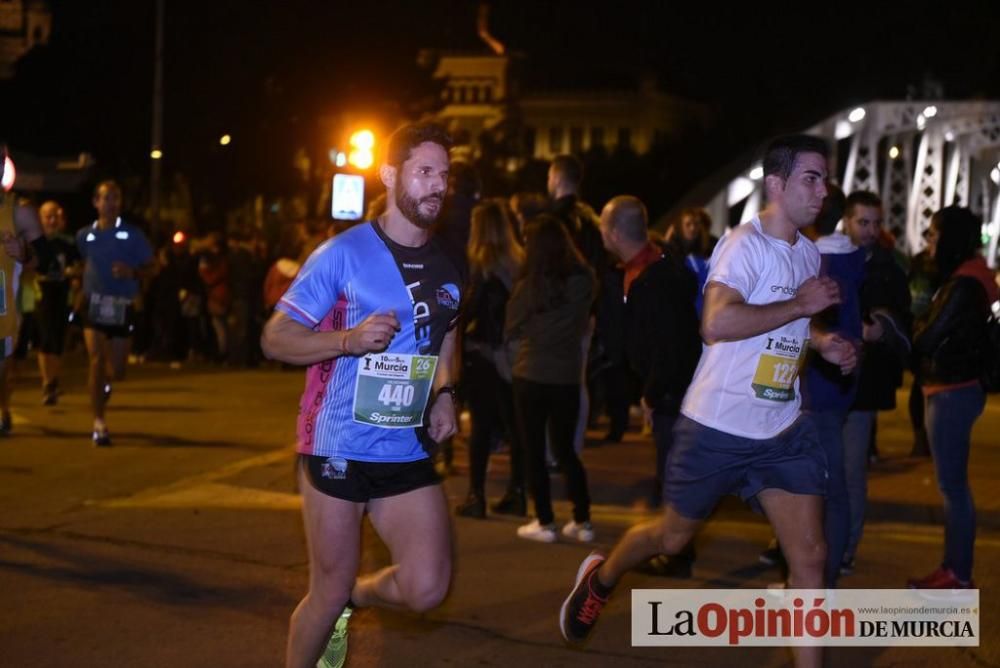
778, 367
392, 389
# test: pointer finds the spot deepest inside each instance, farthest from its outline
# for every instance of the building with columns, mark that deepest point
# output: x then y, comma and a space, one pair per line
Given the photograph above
481, 91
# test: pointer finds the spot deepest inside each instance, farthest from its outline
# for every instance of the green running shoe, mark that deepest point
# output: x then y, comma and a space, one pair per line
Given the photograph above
336, 649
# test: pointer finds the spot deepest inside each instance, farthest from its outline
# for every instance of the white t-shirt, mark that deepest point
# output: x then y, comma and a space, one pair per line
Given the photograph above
750, 387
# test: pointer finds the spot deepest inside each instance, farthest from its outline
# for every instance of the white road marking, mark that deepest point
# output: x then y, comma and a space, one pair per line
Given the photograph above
205, 491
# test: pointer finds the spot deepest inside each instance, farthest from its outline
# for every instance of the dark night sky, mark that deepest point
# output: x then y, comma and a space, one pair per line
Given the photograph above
263, 70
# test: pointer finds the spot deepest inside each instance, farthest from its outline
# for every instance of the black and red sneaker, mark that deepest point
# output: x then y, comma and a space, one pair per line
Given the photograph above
583, 606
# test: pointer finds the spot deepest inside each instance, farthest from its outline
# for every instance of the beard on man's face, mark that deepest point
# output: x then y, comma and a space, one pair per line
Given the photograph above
410, 207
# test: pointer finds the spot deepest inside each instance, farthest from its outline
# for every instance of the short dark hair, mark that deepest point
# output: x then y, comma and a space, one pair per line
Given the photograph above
569, 167
402, 142
781, 154
861, 198
107, 183
834, 206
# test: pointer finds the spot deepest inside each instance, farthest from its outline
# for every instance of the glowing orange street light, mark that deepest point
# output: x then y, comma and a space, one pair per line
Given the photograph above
362, 144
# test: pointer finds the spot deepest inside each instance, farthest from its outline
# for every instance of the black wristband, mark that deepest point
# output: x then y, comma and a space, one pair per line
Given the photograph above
447, 389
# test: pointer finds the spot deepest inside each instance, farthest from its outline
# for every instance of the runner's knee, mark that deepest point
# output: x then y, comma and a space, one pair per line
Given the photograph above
331, 598
424, 592
806, 555
331, 586
673, 541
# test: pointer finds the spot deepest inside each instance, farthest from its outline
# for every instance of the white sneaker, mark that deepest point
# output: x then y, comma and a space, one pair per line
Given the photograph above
583, 532
535, 531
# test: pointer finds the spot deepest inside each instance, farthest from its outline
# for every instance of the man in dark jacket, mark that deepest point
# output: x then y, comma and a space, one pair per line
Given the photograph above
565, 179
661, 336
885, 313
564, 182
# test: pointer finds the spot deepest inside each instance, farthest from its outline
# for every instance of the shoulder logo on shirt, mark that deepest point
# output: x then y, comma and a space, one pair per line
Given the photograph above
784, 290
334, 468
410, 265
448, 296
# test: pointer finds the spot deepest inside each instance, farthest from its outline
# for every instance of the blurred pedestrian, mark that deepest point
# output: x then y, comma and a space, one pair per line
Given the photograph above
953, 347
924, 281
54, 307
495, 258
885, 332
547, 320
565, 181
213, 267
693, 241
663, 344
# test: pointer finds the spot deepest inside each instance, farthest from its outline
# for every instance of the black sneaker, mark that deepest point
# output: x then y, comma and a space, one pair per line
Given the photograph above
583, 606
511, 503
847, 567
107, 392
102, 439
50, 394
6, 423
473, 506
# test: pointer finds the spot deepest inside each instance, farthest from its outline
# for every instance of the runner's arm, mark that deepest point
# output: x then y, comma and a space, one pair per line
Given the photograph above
727, 316
833, 348
443, 416
288, 340
445, 376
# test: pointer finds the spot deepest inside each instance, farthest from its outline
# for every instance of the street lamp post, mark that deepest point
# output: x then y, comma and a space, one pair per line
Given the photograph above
156, 155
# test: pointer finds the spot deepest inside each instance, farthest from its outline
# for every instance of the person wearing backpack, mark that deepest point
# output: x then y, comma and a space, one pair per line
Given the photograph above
952, 342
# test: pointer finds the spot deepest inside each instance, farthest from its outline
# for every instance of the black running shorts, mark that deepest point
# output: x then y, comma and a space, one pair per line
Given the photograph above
360, 482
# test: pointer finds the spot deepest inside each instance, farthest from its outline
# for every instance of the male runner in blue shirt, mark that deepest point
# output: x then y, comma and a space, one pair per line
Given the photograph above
116, 258
373, 313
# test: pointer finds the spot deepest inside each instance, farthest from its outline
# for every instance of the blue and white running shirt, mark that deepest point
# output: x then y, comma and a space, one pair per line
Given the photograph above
357, 273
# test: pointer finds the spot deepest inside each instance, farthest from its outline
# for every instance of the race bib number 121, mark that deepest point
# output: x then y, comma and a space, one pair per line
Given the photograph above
778, 367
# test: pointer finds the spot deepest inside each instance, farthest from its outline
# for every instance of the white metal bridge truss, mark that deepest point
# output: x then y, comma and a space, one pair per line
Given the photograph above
918, 156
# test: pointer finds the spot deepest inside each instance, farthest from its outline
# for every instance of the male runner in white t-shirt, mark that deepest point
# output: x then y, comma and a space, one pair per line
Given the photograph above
741, 430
